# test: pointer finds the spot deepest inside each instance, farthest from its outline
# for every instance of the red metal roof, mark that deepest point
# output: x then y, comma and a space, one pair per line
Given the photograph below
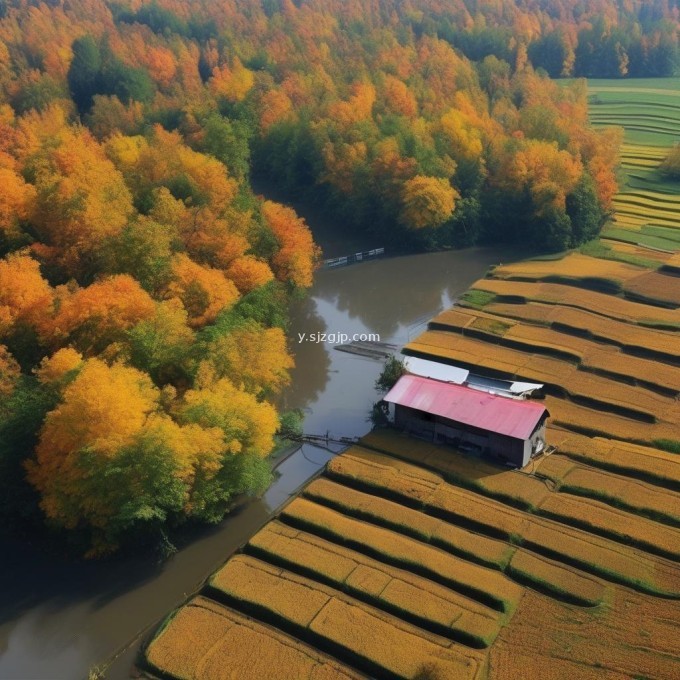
511, 417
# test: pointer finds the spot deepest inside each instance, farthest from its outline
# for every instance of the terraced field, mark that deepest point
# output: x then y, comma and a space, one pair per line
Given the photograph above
405, 560
647, 207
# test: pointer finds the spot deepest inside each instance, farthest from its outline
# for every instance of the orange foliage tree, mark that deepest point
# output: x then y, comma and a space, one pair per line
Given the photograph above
94, 317
203, 291
297, 256
81, 197
25, 296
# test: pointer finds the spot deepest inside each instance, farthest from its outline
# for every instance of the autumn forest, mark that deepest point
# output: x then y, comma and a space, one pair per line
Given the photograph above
143, 283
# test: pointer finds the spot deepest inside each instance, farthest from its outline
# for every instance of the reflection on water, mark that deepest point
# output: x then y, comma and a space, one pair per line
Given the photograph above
57, 619
393, 297
388, 296
310, 375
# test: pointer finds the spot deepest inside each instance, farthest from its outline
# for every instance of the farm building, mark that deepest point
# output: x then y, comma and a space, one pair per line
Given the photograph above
511, 430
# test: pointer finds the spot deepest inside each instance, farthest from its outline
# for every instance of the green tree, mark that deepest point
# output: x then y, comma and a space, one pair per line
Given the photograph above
584, 211
392, 371
228, 142
162, 345
670, 167
143, 250
84, 72
550, 53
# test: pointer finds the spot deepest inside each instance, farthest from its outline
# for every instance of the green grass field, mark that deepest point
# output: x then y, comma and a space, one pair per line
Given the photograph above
647, 207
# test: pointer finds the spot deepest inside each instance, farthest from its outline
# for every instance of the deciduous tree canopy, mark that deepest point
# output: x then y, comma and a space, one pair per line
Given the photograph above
143, 285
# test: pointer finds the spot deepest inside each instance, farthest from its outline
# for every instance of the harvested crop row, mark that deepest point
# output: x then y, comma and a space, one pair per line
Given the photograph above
485, 585
395, 478
666, 129
596, 423
653, 286
648, 209
640, 403
622, 457
456, 318
668, 207
652, 115
373, 640
598, 357
404, 594
567, 474
652, 151
553, 578
604, 305
601, 328
469, 472
597, 517
454, 539
633, 250
203, 638
577, 478
531, 493
636, 113
574, 266
547, 576
641, 217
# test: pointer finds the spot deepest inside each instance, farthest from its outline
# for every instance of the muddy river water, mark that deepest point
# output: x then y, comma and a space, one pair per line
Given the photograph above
58, 619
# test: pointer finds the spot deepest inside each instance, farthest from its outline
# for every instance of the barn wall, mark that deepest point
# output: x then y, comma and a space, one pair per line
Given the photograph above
444, 431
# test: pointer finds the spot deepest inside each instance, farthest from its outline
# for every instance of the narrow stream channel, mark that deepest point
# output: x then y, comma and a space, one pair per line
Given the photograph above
58, 618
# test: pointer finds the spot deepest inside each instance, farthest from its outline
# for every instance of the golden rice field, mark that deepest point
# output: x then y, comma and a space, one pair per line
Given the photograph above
203, 637
623, 458
404, 559
530, 491
661, 258
563, 379
574, 268
385, 475
656, 288
590, 355
634, 340
608, 306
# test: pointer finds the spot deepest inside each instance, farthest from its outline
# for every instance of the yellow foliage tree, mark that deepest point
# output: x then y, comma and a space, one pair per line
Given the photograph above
461, 136
254, 358
248, 425
548, 172
427, 202
81, 197
109, 459
63, 362
203, 291
232, 83
16, 199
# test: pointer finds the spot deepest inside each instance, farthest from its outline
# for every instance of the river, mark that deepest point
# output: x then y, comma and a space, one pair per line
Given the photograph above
60, 618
